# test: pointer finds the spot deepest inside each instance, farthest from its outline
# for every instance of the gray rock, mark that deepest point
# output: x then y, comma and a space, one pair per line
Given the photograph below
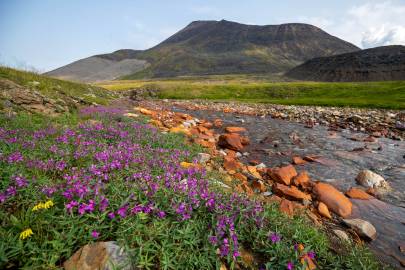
368, 178
261, 166
203, 157
99, 255
364, 228
341, 235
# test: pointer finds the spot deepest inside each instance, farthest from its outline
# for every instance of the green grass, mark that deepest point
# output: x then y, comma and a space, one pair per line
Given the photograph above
386, 95
153, 243
54, 88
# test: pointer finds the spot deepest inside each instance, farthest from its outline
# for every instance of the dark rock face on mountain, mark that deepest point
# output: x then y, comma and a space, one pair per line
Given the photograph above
378, 64
214, 47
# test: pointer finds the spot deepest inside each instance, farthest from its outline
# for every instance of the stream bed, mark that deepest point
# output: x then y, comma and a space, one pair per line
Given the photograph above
343, 156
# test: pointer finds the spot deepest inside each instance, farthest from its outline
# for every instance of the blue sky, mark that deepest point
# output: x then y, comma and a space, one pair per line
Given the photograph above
46, 34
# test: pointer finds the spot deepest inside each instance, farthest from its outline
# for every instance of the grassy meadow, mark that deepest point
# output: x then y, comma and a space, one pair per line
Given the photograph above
386, 95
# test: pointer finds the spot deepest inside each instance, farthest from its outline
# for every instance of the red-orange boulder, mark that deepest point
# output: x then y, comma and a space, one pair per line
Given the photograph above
356, 193
284, 174
290, 192
235, 129
298, 160
231, 141
334, 199
302, 179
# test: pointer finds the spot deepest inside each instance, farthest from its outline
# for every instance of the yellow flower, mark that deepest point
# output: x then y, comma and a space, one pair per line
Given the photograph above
48, 204
25, 234
41, 205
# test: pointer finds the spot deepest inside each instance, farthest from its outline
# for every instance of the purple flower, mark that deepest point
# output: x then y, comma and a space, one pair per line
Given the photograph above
161, 214
111, 215
122, 211
311, 254
95, 234
15, 157
275, 238
3, 197
290, 266
71, 204
103, 204
213, 239
136, 209
11, 191
20, 181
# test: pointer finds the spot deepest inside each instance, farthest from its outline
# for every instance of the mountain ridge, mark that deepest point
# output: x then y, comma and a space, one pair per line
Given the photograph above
217, 47
385, 63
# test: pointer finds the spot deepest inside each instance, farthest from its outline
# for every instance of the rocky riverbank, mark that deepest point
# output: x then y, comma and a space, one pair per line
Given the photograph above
378, 123
300, 166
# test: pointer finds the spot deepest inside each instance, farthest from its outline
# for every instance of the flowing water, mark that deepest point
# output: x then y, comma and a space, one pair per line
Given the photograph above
343, 156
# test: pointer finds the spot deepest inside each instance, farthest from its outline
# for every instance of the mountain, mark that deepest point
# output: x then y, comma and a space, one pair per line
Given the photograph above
385, 63
214, 47
101, 67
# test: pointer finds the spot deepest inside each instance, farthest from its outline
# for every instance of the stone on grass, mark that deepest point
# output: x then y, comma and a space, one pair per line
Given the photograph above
341, 235
203, 157
364, 228
99, 255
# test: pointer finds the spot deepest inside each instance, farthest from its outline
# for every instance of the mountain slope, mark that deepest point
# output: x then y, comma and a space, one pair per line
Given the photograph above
216, 47
385, 63
101, 67
28, 91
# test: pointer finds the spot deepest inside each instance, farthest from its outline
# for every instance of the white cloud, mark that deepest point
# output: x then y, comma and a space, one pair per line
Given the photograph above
368, 25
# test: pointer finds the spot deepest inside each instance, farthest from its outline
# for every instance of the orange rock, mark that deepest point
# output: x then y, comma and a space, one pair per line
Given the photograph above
287, 207
146, 111
217, 122
240, 177
244, 188
311, 158
324, 211
258, 185
302, 179
298, 161
205, 143
235, 129
356, 193
179, 129
231, 141
290, 192
273, 199
231, 165
230, 153
156, 123
227, 110
335, 200
202, 129
244, 140
283, 174
207, 124
253, 171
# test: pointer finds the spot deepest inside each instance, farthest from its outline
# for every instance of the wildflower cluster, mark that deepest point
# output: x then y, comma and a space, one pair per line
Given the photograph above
112, 173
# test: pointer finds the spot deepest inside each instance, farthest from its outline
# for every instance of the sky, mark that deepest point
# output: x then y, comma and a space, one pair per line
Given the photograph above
42, 35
